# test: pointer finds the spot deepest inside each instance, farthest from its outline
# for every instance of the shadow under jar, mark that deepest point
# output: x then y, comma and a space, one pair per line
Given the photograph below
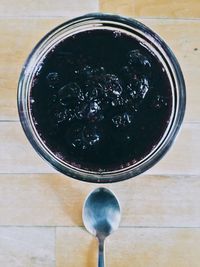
101, 98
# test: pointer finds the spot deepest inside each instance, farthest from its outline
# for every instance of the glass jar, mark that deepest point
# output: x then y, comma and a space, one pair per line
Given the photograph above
115, 23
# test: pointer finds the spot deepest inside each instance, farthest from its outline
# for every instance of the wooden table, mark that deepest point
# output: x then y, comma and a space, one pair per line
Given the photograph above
40, 209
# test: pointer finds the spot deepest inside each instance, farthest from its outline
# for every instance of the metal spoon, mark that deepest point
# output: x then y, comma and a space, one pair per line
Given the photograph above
101, 216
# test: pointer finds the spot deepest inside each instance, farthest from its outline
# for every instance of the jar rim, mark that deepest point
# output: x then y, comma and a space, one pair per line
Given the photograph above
95, 20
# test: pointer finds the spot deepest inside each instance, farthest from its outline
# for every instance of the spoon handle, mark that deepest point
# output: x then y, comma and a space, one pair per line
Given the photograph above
101, 260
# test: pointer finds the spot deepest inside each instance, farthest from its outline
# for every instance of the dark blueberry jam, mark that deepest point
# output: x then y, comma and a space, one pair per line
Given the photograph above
101, 100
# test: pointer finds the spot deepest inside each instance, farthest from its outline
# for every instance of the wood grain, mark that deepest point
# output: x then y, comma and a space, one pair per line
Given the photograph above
75, 247
47, 8
130, 247
18, 156
56, 200
34, 247
153, 8
20, 36
184, 40
40, 211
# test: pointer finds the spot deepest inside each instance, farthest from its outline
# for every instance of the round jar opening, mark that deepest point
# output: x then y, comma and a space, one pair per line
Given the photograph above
101, 97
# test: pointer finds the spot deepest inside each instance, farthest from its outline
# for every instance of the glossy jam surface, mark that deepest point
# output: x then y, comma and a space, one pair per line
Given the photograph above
100, 100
